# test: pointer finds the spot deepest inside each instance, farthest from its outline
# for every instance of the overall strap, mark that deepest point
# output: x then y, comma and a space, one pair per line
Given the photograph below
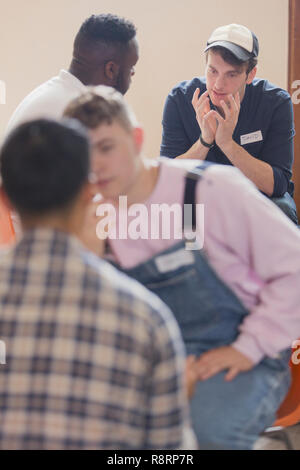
192, 177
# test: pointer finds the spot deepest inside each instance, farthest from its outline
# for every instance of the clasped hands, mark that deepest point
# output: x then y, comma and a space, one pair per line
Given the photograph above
213, 126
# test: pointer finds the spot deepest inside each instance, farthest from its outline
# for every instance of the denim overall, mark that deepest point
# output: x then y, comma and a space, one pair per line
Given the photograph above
225, 415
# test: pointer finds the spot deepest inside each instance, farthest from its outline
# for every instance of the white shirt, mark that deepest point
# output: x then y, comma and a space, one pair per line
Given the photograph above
48, 100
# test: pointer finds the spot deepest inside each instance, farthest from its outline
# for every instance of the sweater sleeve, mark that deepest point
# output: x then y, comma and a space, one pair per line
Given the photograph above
278, 149
265, 245
174, 138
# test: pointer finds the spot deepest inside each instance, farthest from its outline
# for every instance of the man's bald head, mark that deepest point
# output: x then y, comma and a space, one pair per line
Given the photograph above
105, 52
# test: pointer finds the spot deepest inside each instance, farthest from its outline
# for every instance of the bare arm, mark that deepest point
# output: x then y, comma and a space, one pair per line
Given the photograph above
197, 151
261, 173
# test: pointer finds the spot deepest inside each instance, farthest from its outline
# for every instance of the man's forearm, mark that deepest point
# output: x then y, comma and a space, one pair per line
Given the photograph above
197, 152
259, 172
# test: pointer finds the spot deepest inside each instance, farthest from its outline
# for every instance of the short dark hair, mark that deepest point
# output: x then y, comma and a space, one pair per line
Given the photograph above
44, 164
230, 58
106, 28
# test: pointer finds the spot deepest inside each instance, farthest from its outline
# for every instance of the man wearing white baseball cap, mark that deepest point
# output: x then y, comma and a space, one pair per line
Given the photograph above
242, 121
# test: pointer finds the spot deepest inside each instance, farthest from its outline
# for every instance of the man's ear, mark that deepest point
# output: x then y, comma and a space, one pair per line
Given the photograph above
111, 71
88, 191
5, 199
138, 135
251, 76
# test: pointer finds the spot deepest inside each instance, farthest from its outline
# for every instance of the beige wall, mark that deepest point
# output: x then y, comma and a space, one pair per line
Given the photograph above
36, 40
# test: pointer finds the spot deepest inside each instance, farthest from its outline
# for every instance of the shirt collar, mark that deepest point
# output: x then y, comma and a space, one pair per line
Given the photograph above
68, 77
45, 239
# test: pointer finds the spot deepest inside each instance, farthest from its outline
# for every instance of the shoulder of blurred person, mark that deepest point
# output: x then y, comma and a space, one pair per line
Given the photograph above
47, 100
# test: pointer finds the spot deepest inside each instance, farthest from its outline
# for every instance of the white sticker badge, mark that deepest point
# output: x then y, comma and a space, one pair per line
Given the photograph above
166, 263
251, 138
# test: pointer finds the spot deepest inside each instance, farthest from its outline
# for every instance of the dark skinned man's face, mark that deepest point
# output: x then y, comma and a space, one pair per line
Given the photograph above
127, 67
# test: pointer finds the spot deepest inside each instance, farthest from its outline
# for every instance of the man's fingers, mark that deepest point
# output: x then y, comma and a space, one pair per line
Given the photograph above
196, 101
213, 124
195, 97
226, 109
232, 373
210, 117
217, 116
210, 360
202, 109
209, 371
190, 360
233, 103
237, 99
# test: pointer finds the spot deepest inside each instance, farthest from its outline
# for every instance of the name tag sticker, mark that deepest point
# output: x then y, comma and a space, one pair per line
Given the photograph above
250, 138
174, 261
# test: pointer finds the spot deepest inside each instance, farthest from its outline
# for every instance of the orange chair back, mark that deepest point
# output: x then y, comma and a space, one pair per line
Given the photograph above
7, 233
289, 411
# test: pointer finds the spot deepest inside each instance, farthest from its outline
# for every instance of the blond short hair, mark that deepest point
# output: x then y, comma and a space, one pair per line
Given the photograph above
99, 105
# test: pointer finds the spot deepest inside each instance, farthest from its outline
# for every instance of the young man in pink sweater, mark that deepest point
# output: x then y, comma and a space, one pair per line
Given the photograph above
236, 300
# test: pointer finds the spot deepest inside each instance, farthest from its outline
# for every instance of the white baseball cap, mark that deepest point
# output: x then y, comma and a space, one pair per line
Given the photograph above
237, 39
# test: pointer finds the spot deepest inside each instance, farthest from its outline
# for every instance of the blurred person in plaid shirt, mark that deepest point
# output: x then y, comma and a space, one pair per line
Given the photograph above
94, 360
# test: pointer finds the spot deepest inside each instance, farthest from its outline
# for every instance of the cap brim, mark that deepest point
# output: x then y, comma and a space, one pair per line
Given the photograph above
239, 52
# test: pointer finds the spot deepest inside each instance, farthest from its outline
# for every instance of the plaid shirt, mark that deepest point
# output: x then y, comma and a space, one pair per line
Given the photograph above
93, 360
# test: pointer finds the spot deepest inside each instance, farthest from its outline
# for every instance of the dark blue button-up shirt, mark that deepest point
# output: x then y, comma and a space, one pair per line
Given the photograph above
265, 108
